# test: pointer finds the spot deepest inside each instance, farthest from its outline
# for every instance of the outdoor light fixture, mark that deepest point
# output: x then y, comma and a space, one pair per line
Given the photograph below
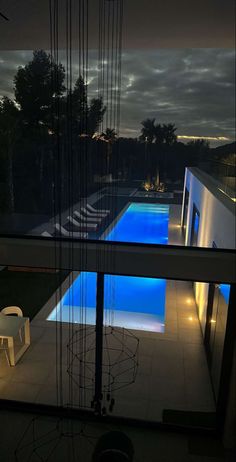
147, 186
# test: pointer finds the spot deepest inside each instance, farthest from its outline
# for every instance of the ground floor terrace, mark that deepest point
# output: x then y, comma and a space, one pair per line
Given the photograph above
170, 373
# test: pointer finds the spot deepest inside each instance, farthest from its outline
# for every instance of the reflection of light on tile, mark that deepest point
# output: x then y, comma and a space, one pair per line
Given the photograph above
172, 225
188, 301
190, 318
129, 320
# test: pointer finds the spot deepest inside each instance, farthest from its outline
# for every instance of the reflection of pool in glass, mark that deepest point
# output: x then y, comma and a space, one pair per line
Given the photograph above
225, 290
131, 302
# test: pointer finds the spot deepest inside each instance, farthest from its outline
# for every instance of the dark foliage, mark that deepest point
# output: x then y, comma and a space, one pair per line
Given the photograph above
51, 153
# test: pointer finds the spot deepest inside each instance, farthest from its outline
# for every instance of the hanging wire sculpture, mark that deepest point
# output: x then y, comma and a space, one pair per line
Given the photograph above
119, 364
102, 359
49, 439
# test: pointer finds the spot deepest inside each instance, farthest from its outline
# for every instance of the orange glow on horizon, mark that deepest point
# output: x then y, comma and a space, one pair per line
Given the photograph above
210, 138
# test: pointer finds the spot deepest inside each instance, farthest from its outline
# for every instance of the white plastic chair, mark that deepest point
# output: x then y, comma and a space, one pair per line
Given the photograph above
4, 347
12, 310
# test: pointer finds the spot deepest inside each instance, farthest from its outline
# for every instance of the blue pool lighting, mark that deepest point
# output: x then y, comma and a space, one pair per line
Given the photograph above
131, 302
225, 290
142, 223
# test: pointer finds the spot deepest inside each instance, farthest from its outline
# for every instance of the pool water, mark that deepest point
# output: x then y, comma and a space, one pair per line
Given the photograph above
142, 223
131, 302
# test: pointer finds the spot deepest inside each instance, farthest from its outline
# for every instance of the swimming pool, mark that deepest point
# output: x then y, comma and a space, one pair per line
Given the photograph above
131, 302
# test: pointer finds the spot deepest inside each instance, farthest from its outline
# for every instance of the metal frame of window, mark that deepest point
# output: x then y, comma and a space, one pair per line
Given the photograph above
131, 259
195, 214
185, 210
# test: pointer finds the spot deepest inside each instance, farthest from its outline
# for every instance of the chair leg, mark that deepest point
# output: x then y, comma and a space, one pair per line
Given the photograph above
8, 361
5, 350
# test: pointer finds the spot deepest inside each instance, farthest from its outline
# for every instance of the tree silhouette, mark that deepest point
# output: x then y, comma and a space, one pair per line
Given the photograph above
159, 134
37, 85
200, 144
85, 117
95, 115
169, 136
9, 116
165, 137
148, 133
79, 107
148, 130
45, 108
198, 149
109, 136
162, 135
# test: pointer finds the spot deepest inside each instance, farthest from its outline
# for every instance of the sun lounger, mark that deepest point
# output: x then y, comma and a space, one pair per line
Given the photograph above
91, 215
81, 225
46, 234
93, 210
66, 233
87, 219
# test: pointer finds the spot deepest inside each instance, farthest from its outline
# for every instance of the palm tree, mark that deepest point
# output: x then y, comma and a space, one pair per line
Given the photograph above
109, 136
159, 139
159, 134
148, 135
148, 130
169, 136
165, 136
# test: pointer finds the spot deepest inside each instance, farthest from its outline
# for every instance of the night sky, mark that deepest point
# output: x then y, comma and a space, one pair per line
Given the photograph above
192, 88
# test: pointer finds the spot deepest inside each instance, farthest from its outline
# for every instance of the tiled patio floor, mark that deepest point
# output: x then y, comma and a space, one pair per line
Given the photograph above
172, 371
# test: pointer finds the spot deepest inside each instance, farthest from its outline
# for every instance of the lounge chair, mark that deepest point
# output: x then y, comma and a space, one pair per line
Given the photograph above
63, 231
46, 234
81, 225
91, 215
87, 219
93, 210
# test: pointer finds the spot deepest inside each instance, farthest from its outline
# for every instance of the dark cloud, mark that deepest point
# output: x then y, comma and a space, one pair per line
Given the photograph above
193, 88
148, 24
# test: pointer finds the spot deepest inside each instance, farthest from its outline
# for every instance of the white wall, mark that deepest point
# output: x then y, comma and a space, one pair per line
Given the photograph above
217, 223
